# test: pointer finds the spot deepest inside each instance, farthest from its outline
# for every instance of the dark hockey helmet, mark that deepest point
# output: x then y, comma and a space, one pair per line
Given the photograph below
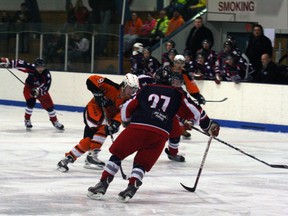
172, 51
163, 75
172, 43
39, 62
148, 49
187, 53
227, 44
231, 39
206, 41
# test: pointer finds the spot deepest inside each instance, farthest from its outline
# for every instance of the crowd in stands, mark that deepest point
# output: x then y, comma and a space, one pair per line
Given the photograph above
201, 62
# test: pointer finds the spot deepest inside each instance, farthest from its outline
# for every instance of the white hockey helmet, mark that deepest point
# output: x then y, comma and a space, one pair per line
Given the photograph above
179, 59
132, 81
137, 48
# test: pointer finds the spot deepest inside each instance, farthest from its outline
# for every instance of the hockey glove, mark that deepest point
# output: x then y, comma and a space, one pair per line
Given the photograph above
113, 127
213, 129
4, 62
236, 79
218, 79
101, 100
35, 92
188, 124
200, 99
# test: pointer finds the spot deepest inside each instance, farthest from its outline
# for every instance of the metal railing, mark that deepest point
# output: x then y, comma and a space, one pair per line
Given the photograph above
56, 44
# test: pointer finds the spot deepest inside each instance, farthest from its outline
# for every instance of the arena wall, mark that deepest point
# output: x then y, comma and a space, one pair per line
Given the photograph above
249, 105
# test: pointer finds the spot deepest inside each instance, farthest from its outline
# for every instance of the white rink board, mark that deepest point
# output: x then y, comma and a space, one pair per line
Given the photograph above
247, 102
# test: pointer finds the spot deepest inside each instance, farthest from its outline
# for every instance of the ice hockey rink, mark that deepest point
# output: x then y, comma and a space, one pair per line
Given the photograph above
231, 182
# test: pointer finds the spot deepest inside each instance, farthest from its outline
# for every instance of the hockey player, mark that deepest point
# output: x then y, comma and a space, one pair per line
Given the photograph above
151, 64
149, 117
203, 69
36, 87
191, 86
103, 107
180, 126
137, 59
165, 60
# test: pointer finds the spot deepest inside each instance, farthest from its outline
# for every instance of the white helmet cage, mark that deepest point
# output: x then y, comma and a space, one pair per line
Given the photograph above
179, 59
132, 81
137, 48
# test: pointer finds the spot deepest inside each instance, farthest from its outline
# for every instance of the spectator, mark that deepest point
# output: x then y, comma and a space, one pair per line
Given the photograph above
209, 54
165, 60
82, 48
196, 35
137, 60
54, 47
148, 26
22, 17
70, 17
160, 29
284, 56
203, 70
81, 14
102, 12
270, 72
258, 45
196, 8
146, 29
5, 17
231, 70
131, 32
171, 55
189, 62
5, 27
151, 64
180, 5
175, 22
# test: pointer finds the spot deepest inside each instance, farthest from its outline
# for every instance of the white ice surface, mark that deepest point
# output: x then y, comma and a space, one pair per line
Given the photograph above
231, 182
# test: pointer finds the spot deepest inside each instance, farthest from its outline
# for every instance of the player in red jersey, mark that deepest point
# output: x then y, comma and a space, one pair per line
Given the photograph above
149, 117
36, 87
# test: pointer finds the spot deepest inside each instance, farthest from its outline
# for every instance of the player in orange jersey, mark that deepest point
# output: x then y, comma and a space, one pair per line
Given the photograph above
101, 118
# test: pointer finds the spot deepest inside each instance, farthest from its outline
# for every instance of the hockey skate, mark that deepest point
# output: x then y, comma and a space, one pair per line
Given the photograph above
28, 124
62, 165
100, 188
92, 161
177, 158
186, 135
129, 192
58, 125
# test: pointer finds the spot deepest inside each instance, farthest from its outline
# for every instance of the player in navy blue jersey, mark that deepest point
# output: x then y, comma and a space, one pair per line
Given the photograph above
149, 116
37, 86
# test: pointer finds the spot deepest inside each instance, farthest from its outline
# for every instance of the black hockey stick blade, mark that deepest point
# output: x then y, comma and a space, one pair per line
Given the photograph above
124, 176
278, 166
188, 188
200, 169
224, 99
281, 166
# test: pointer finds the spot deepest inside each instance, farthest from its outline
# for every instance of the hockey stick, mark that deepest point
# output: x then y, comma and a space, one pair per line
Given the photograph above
222, 100
200, 169
124, 176
249, 155
15, 76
